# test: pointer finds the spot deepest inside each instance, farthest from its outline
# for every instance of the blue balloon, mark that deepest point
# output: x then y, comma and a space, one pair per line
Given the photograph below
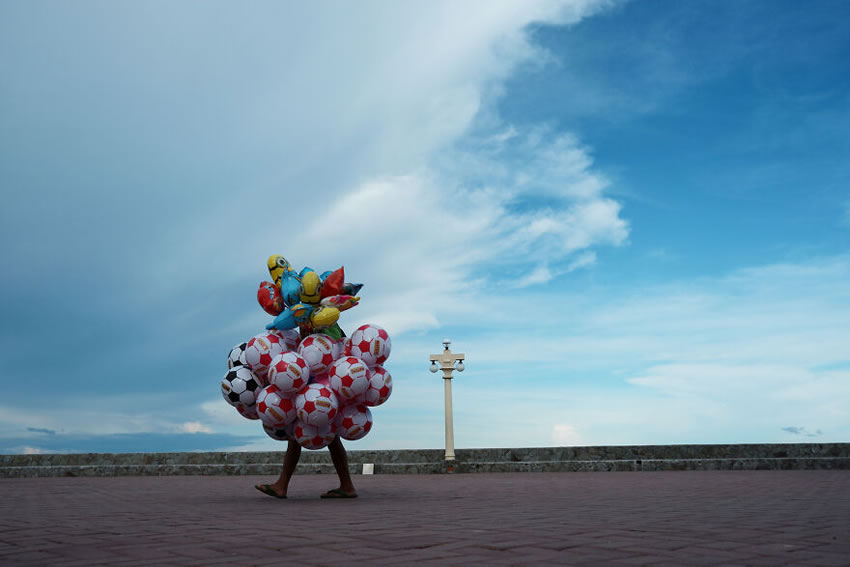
284, 321
290, 289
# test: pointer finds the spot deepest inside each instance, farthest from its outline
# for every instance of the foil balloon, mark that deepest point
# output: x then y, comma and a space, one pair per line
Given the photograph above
311, 286
269, 298
278, 267
285, 320
333, 282
351, 288
341, 302
306, 317
290, 289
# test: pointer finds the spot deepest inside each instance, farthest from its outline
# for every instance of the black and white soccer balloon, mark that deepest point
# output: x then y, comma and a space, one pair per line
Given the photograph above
240, 386
235, 358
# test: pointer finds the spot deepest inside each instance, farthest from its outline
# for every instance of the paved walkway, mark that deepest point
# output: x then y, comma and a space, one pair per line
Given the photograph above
649, 518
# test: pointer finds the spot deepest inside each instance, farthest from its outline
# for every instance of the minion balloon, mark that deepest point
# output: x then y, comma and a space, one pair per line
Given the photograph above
278, 267
311, 286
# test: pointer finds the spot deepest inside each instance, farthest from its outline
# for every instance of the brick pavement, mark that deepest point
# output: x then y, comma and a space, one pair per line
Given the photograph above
647, 518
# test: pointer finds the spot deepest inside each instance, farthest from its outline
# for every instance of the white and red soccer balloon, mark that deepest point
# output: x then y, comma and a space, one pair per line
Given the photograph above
291, 337
354, 422
274, 408
316, 405
289, 372
371, 344
349, 378
380, 387
260, 351
312, 437
318, 350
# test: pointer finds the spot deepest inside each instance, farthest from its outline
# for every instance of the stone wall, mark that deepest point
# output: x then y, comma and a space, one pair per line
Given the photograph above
431, 461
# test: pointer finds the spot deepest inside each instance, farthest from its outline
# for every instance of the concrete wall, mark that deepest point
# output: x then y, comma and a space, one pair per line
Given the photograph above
431, 461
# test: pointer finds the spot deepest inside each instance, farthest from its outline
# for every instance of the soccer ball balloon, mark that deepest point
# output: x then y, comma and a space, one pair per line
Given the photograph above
289, 372
339, 348
318, 351
380, 387
316, 405
312, 437
261, 350
240, 386
248, 412
274, 408
290, 337
283, 433
354, 422
371, 344
234, 358
349, 378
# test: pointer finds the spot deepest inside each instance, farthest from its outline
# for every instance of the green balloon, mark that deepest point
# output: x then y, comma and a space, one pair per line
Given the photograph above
334, 331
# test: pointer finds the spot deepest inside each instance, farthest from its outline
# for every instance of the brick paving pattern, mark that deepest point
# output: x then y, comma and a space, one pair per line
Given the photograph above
649, 518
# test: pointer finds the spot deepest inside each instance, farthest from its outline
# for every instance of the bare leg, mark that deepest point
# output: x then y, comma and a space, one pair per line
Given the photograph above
340, 461
290, 461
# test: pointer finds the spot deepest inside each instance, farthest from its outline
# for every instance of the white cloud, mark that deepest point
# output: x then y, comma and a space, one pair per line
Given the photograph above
543, 274
224, 418
424, 241
194, 427
340, 150
120, 414
728, 359
583, 260
373, 138
722, 380
563, 434
540, 275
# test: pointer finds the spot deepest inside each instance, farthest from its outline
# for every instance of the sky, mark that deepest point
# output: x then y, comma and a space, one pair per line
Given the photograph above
633, 218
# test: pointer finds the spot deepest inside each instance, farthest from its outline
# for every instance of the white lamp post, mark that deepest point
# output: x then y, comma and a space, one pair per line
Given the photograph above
447, 360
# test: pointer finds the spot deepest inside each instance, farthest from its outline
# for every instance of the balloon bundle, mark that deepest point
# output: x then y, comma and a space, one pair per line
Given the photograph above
302, 377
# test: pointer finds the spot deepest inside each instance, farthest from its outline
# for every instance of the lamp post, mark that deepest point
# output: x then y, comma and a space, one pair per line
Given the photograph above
447, 360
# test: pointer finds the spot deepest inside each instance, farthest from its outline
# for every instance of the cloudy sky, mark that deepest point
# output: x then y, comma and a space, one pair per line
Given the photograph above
632, 217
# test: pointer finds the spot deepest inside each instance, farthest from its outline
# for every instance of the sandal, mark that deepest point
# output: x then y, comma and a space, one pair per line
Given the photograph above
267, 489
338, 493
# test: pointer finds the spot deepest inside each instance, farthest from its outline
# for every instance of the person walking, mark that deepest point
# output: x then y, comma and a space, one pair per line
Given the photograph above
339, 457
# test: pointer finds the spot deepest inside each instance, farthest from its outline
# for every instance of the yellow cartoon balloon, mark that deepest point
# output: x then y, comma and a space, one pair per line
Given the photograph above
278, 266
324, 317
311, 287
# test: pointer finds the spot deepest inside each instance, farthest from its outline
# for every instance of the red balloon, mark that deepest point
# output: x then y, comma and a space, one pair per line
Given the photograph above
269, 298
333, 283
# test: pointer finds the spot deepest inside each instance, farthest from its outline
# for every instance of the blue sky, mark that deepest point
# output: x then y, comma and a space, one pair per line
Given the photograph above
632, 217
